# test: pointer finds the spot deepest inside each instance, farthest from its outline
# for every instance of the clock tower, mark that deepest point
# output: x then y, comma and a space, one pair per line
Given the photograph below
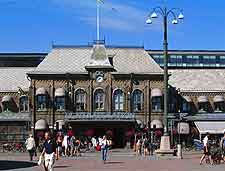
99, 64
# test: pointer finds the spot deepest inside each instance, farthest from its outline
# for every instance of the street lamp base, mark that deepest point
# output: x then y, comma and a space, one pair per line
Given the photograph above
165, 149
179, 151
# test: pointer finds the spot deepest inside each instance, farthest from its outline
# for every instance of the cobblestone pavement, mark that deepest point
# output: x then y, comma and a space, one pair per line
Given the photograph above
118, 161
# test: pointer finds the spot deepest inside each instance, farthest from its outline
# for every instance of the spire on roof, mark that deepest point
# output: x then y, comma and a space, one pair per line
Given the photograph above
99, 58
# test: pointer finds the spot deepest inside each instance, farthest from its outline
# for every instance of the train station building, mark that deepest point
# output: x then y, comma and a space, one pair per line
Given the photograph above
99, 88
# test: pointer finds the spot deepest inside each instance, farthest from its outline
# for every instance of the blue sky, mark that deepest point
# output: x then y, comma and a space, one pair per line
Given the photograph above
32, 25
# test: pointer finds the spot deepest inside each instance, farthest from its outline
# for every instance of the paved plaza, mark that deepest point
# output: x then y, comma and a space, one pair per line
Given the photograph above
119, 161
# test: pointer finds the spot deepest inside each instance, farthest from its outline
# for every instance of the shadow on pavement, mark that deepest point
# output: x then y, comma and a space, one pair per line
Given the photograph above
111, 162
61, 166
9, 165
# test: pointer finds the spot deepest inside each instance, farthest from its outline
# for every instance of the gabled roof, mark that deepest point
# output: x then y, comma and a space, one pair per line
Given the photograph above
74, 59
198, 80
99, 58
13, 78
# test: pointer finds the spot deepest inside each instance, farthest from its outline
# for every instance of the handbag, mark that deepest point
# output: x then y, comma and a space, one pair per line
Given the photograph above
41, 160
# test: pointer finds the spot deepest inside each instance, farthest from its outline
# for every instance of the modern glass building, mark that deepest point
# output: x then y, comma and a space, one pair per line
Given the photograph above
190, 58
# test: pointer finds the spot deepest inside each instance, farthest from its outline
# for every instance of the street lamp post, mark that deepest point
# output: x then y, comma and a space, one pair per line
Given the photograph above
165, 13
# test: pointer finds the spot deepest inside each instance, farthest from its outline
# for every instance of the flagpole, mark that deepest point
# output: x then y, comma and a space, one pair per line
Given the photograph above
98, 21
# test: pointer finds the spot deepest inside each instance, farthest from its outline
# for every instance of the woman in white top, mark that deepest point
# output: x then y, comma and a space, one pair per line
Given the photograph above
65, 144
206, 149
104, 148
30, 145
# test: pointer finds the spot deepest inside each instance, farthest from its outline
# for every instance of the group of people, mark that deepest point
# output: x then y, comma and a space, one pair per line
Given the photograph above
67, 145
214, 151
143, 146
48, 152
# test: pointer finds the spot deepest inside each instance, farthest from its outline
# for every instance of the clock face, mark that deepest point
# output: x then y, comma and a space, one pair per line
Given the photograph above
99, 79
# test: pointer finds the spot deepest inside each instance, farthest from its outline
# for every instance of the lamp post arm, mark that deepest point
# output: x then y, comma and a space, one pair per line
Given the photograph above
171, 12
160, 10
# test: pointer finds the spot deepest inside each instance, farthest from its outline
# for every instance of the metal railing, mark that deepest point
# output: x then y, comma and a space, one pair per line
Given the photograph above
100, 116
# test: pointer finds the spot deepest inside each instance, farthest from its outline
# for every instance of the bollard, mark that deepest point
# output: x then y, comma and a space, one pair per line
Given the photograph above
179, 151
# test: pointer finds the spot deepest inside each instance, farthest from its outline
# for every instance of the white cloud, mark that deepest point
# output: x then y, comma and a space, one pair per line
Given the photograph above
114, 15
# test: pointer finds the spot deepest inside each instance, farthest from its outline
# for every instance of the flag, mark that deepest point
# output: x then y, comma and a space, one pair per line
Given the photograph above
100, 1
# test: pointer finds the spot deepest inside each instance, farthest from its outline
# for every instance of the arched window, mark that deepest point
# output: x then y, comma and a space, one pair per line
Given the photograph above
186, 106
219, 103
80, 100
23, 103
60, 99
203, 104
99, 98
156, 98
7, 103
42, 102
157, 104
60, 102
219, 106
118, 98
41, 95
137, 100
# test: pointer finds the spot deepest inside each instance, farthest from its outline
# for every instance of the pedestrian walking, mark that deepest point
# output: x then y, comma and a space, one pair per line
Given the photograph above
146, 146
71, 145
65, 145
59, 141
30, 146
206, 148
104, 148
139, 147
49, 152
222, 145
77, 145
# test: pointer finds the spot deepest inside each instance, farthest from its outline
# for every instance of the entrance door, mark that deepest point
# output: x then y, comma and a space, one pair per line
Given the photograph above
119, 141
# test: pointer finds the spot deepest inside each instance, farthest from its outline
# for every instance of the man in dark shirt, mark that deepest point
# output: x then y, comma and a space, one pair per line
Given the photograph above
49, 152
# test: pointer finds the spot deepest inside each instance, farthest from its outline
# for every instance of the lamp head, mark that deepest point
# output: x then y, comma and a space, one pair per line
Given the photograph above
154, 15
148, 21
175, 21
181, 16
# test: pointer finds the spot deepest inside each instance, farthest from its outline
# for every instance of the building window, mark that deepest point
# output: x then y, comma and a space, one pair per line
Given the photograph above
137, 100
203, 106
118, 98
60, 102
219, 106
6, 106
80, 98
157, 104
99, 99
23, 103
186, 107
41, 102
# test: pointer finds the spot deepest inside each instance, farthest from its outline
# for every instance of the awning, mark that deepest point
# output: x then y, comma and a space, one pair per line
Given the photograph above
187, 98
40, 91
213, 127
218, 98
202, 99
183, 128
41, 125
157, 124
156, 92
59, 92
6, 98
